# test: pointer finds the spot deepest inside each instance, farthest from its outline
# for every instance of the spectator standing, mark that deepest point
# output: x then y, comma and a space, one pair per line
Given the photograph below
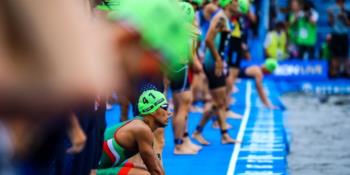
275, 43
306, 26
295, 10
338, 16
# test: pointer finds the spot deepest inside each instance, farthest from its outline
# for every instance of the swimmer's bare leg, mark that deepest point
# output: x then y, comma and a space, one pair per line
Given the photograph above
208, 111
219, 95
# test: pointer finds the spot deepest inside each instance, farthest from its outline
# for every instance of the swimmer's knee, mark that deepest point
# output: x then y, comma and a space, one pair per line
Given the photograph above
221, 105
229, 80
189, 97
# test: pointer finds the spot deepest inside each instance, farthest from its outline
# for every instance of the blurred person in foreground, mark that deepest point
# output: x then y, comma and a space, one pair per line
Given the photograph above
128, 138
44, 84
338, 17
49, 75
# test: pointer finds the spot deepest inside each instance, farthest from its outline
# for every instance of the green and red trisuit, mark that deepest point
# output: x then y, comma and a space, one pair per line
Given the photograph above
114, 155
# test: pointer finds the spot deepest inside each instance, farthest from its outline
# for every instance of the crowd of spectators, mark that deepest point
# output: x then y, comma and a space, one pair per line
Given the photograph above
296, 32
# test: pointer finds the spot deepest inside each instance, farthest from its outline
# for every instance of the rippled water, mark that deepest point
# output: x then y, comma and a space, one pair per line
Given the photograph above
320, 135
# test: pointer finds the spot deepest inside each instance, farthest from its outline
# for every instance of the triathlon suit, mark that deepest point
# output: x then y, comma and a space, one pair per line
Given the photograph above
222, 43
180, 77
114, 155
235, 51
243, 74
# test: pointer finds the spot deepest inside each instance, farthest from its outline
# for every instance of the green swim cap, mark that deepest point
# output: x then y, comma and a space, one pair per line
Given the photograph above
108, 5
188, 11
271, 64
244, 6
161, 25
224, 3
150, 101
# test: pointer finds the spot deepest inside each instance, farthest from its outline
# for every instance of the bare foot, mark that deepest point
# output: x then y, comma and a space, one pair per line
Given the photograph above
226, 139
198, 136
216, 125
183, 150
188, 143
233, 115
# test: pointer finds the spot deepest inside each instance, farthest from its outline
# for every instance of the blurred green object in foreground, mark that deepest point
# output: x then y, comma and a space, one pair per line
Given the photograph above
161, 24
188, 11
244, 6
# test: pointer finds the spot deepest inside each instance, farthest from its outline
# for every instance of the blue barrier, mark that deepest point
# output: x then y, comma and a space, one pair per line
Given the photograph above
323, 87
303, 76
301, 70
296, 70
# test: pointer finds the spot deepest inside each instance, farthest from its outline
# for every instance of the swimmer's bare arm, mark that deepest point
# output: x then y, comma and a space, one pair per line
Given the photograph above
261, 92
144, 138
256, 72
252, 17
196, 63
216, 26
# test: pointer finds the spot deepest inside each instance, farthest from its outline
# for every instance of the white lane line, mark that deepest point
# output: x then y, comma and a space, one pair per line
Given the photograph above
236, 149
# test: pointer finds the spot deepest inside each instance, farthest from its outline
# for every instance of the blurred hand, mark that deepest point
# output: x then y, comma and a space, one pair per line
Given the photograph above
77, 138
271, 106
197, 66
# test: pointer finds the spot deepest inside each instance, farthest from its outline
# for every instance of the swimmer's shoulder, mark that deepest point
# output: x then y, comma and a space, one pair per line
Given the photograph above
140, 126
